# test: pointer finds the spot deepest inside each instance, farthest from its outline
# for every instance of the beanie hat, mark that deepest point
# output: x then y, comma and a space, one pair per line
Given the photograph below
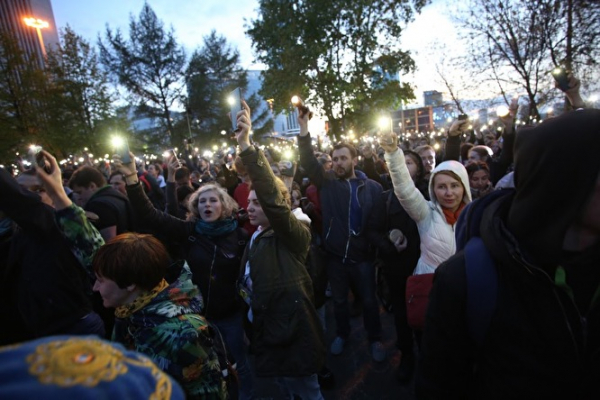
81, 367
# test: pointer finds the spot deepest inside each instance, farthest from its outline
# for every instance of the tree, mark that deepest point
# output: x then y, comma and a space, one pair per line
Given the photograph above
213, 72
81, 97
23, 96
150, 65
337, 54
516, 43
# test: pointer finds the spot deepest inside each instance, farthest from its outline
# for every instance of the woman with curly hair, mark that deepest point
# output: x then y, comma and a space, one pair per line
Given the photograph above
213, 246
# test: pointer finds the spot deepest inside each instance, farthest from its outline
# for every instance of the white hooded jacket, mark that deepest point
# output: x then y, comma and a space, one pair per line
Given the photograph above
438, 242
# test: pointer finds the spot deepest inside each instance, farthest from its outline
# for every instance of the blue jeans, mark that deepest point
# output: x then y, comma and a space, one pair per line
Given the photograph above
232, 330
305, 387
362, 275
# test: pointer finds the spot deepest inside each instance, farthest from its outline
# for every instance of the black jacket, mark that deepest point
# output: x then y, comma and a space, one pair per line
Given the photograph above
335, 194
41, 278
544, 339
214, 263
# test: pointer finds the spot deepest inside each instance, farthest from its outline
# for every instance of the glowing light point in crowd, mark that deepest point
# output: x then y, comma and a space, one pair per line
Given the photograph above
117, 142
502, 111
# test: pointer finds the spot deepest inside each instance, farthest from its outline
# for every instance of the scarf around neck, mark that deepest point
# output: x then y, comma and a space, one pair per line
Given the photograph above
126, 310
452, 217
215, 229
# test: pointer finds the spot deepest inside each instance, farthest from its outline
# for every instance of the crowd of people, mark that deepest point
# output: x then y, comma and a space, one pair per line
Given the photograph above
490, 250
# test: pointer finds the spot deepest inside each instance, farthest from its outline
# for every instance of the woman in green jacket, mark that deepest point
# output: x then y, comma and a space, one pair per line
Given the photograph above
288, 338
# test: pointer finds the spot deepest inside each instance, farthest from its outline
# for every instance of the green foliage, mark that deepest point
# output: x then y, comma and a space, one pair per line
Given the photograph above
80, 94
23, 86
338, 55
214, 71
149, 64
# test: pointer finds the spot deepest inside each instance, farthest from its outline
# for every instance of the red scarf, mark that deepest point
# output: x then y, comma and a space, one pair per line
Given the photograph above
452, 217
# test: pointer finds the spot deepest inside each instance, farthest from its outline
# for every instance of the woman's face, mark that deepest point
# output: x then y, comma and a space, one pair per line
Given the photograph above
412, 167
210, 206
479, 180
448, 191
256, 215
296, 196
112, 295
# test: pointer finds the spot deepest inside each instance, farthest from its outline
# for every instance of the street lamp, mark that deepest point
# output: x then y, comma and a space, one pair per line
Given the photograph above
38, 24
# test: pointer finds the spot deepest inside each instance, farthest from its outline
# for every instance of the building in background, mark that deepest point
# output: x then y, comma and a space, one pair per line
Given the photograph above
12, 21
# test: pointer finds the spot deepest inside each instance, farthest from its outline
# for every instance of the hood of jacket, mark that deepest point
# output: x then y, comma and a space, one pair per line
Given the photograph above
179, 298
556, 169
459, 170
301, 216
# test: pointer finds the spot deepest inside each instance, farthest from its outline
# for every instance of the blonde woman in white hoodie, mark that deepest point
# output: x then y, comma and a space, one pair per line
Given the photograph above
449, 192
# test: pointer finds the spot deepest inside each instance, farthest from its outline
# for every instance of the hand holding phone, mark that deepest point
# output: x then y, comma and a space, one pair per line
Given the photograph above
561, 77
302, 109
235, 104
36, 157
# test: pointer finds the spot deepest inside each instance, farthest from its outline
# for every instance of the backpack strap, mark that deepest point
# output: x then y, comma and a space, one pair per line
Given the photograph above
482, 288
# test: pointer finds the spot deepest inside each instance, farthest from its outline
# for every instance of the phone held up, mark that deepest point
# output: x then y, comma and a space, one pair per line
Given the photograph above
463, 117
235, 104
302, 109
37, 158
122, 149
561, 78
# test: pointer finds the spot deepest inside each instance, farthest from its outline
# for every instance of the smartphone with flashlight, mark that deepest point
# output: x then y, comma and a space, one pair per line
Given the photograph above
463, 117
235, 104
560, 76
123, 152
37, 158
302, 109
172, 153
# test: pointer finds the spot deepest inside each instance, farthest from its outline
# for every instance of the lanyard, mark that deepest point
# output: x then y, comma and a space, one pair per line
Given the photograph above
560, 279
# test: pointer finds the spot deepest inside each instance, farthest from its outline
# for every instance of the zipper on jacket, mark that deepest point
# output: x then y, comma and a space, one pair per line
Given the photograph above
349, 226
210, 278
530, 269
329, 230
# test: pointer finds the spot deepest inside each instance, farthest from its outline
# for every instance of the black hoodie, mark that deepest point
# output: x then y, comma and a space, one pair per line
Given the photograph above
542, 341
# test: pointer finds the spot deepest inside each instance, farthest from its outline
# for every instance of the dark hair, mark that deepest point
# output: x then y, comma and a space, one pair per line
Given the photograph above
132, 258
115, 173
464, 151
183, 192
419, 161
483, 151
182, 173
280, 185
345, 145
477, 166
85, 176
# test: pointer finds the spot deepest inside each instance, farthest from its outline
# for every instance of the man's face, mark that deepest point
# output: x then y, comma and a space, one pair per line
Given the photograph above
184, 181
153, 171
343, 163
85, 193
118, 184
33, 184
428, 157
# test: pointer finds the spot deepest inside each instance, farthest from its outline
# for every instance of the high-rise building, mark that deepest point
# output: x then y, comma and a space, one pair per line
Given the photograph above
38, 37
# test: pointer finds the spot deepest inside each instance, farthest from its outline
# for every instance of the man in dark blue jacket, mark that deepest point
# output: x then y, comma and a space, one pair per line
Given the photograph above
352, 226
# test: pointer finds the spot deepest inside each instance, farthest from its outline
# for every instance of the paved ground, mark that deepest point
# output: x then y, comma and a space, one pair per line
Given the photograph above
357, 376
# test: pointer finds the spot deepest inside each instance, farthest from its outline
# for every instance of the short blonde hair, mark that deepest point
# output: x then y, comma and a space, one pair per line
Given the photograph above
229, 204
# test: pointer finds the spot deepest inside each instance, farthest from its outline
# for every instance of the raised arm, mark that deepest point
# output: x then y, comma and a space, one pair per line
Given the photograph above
409, 196
158, 221
24, 207
293, 233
